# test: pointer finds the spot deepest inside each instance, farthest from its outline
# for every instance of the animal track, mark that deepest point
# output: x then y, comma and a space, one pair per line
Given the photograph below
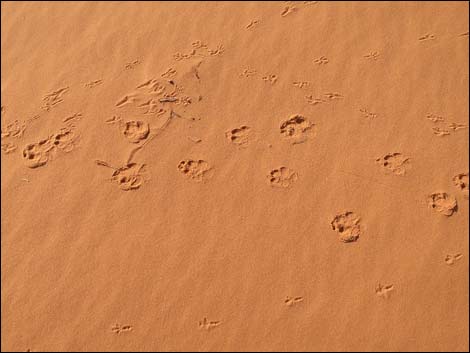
113, 120
92, 84
14, 129
348, 226
208, 325
135, 131
435, 118
282, 177
383, 291
131, 65
427, 36
38, 154
239, 136
461, 182
300, 84
290, 301
287, 10
118, 329
296, 128
441, 129
272, 79
442, 203
248, 73
326, 97
195, 170
54, 98
8, 147
452, 259
438, 131
129, 177
322, 60
170, 72
373, 55
252, 24
395, 163
367, 114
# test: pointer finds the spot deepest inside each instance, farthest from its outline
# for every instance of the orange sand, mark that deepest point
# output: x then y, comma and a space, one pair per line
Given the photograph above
235, 176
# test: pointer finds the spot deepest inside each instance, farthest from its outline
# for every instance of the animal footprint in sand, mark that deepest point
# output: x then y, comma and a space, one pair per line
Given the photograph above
208, 325
300, 84
287, 10
8, 147
296, 128
239, 136
282, 177
290, 301
383, 291
252, 24
270, 78
395, 163
372, 56
131, 65
170, 72
118, 329
367, 114
427, 36
452, 259
135, 131
92, 84
348, 226
461, 182
38, 154
248, 73
198, 170
322, 60
442, 203
128, 177
13, 129
54, 98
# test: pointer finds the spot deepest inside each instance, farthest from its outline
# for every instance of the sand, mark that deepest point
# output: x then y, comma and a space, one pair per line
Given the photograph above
235, 176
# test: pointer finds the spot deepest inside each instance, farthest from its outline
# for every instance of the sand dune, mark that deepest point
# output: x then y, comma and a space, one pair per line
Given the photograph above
235, 176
